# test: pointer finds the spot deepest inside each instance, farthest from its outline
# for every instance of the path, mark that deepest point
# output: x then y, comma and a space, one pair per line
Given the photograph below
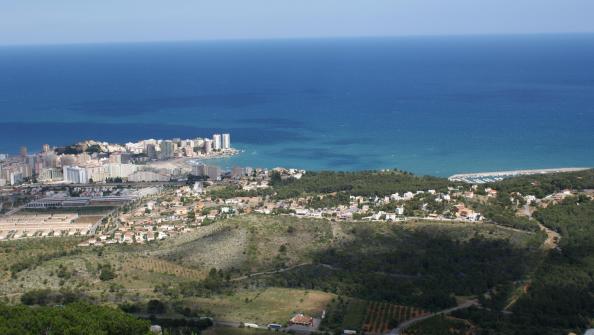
553, 237
398, 330
270, 272
550, 243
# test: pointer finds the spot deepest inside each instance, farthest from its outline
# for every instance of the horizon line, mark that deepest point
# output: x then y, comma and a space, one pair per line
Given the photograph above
296, 38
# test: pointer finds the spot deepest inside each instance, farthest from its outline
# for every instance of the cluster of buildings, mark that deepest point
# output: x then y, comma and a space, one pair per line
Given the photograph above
93, 161
214, 173
171, 213
428, 204
177, 148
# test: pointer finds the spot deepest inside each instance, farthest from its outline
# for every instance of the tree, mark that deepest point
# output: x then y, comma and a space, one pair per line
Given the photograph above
155, 307
106, 272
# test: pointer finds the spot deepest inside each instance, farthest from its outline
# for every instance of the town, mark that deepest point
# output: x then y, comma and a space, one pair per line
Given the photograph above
92, 161
114, 194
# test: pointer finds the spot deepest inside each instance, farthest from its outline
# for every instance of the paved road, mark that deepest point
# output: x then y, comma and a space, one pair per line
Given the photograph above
123, 184
408, 323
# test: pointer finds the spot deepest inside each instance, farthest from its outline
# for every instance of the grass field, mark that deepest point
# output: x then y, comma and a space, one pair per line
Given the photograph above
269, 305
250, 244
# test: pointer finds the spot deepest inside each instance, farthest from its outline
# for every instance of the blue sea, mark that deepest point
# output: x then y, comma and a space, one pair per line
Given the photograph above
430, 105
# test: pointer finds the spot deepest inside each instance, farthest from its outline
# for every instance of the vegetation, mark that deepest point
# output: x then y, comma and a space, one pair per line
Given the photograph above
502, 211
364, 183
368, 276
545, 184
560, 298
422, 267
44, 297
345, 313
441, 325
20, 255
77, 318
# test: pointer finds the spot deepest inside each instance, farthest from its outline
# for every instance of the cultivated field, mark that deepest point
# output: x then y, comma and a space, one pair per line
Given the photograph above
381, 317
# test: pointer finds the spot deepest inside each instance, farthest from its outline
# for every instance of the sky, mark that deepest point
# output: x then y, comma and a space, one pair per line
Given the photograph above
79, 21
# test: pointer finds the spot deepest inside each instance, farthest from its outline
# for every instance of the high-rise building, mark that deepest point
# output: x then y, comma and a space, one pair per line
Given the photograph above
216, 142
167, 149
207, 146
75, 175
226, 141
15, 177
23, 151
45, 148
151, 151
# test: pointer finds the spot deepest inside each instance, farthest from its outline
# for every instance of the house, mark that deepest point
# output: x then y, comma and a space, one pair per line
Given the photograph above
301, 320
491, 192
462, 211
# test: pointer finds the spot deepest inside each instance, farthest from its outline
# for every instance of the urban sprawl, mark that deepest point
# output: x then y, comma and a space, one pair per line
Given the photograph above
156, 189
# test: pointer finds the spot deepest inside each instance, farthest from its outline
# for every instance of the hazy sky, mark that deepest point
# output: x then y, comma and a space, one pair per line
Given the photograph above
70, 21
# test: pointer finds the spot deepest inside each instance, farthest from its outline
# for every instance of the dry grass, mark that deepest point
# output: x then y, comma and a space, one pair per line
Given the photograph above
271, 305
164, 267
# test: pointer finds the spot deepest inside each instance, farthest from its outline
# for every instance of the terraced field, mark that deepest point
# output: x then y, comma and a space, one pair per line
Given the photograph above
165, 267
381, 317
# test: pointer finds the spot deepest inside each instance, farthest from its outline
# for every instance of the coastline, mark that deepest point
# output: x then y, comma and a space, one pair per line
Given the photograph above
187, 163
482, 177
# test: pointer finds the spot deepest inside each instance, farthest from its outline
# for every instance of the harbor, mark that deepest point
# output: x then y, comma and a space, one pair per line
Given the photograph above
489, 177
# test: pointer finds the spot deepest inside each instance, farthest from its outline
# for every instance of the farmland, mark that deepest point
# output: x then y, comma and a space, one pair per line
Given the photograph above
372, 317
381, 317
263, 306
312, 255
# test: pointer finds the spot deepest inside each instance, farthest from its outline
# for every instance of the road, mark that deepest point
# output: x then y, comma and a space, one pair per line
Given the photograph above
251, 275
123, 184
408, 323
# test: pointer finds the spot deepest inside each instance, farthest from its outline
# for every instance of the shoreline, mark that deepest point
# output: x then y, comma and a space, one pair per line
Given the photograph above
185, 163
482, 177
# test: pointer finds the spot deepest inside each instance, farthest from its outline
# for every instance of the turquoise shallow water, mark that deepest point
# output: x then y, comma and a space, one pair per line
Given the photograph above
428, 105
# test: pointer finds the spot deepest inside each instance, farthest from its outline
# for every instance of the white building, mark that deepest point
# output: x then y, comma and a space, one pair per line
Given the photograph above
75, 174
15, 177
216, 142
116, 170
226, 141
208, 146
50, 174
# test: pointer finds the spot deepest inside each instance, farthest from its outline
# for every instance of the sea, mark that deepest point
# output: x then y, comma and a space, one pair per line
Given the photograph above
429, 105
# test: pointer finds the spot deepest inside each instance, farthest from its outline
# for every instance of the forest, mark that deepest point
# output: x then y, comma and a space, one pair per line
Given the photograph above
560, 297
425, 269
363, 183
75, 318
545, 184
